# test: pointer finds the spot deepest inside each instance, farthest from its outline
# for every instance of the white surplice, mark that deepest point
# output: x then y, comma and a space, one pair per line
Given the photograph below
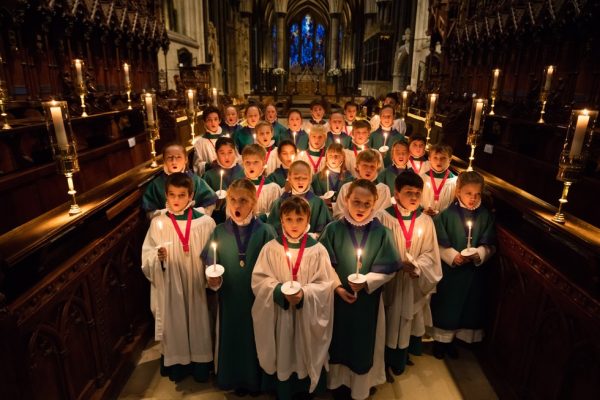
447, 193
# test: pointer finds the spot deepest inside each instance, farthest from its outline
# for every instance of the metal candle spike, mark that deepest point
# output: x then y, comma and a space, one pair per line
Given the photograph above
191, 103
79, 73
549, 72
432, 99
476, 122
494, 89
150, 109
128, 86
3, 101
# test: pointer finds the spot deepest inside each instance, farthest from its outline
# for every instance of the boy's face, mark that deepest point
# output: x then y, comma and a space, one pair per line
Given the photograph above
469, 194
387, 118
253, 166
264, 136
360, 204
271, 114
294, 224
226, 156
178, 198
367, 170
212, 121
252, 116
231, 116
439, 161
317, 112
389, 101
174, 159
239, 204
400, 155
350, 113
316, 140
361, 135
286, 155
299, 179
409, 197
417, 148
334, 159
295, 122
336, 123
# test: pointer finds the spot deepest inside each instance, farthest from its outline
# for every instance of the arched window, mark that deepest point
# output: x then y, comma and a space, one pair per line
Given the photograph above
307, 43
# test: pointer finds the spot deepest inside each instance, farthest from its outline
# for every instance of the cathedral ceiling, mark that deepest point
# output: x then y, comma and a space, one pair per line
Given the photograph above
318, 8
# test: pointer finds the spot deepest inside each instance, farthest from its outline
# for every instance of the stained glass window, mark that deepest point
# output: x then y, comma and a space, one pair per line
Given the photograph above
320, 45
307, 43
294, 44
274, 37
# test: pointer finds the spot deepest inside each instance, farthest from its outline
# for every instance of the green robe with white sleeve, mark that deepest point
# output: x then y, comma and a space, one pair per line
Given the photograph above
319, 213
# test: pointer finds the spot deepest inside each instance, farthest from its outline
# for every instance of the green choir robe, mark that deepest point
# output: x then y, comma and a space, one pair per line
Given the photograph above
301, 138
358, 341
155, 197
229, 129
459, 301
388, 176
278, 131
336, 180
376, 141
344, 139
319, 213
279, 176
242, 137
236, 361
213, 179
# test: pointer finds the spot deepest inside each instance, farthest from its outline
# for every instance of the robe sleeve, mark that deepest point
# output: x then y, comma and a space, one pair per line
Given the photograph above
447, 255
485, 253
150, 197
428, 262
340, 205
279, 297
387, 259
375, 280
152, 269
204, 195
322, 216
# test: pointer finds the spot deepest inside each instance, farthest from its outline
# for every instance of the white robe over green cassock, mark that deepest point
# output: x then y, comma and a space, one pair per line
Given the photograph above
205, 151
269, 192
447, 192
177, 293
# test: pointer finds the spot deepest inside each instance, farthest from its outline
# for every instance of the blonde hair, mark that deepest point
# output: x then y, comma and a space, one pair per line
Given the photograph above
368, 156
261, 124
365, 184
254, 150
469, 177
334, 148
298, 164
243, 185
318, 130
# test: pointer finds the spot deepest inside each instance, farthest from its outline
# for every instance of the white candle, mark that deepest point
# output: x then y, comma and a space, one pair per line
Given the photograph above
477, 116
289, 256
59, 127
337, 140
221, 181
126, 72
254, 136
190, 95
294, 135
549, 73
327, 173
470, 225
149, 110
385, 135
358, 256
79, 72
215, 97
496, 75
404, 95
579, 135
214, 247
432, 100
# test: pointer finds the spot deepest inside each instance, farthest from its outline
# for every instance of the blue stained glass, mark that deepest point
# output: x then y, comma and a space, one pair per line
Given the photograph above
274, 37
294, 44
307, 41
320, 45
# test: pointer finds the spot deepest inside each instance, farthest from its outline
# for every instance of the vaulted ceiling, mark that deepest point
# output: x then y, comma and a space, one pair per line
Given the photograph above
318, 8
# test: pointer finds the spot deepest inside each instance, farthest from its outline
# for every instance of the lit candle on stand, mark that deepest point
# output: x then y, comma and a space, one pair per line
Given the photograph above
214, 247
221, 181
358, 261
190, 95
59, 127
215, 97
477, 116
495, 82
254, 136
149, 110
470, 226
327, 174
549, 73
294, 135
385, 136
126, 72
580, 128
79, 72
432, 100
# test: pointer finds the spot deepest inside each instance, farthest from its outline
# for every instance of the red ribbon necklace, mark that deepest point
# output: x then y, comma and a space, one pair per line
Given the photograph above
298, 259
418, 171
437, 190
316, 166
407, 234
185, 240
260, 186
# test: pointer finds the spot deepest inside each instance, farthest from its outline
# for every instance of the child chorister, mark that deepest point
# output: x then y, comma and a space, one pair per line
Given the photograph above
315, 154
385, 134
175, 160
177, 293
440, 182
264, 137
334, 175
399, 152
293, 330
271, 117
231, 122
244, 135
317, 114
350, 111
204, 146
295, 133
360, 143
237, 242
418, 159
367, 164
407, 295
458, 306
299, 178
336, 132
359, 244
253, 161
286, 152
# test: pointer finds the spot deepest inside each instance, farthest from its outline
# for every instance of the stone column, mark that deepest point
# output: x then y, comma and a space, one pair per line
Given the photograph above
280, 8
335, 10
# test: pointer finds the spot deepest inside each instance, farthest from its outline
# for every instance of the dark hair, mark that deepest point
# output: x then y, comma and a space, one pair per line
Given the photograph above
365, 184
286, 143
318, 102
224, 141
294, 111
392, 96
350, 104
417, 138
173, 144
361, 124
295, 204
180, 180
386, 107
258, 107
469, 177
408, 178
210, 110
400, 143
441, 148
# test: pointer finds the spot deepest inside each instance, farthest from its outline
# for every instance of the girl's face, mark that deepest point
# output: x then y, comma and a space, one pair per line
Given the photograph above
264, 136
336, 123
317, 112
409, 197
286, 155
231, 116
270, 114
334, 159
469, 194
239, 204
294, 224
367, 170
226, 156
361, 136
439, 161
212, 121
252, 116
174, 159
350, 113
316, 140
400, 155
360, 204
295, 122
417, 148
178, 198
299, 179
386, 118
253, 166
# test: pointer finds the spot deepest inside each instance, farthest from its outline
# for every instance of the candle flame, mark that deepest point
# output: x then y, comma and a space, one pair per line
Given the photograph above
213, 245
222, 172
496, 72
359, 253
470, 224
327, 172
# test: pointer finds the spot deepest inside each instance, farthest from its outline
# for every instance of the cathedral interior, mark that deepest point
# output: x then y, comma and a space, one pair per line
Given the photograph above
74, 304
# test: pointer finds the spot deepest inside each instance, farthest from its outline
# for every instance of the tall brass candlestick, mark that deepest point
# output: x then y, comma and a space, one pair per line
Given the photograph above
191, 111
476, 122
549, 72
78, 68
127, 84
149, 107
494, 89
3, 100
432, 99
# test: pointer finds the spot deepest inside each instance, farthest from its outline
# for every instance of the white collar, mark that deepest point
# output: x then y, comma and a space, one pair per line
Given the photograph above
336, 170
246, 220
464, 206
296, 193
297, 240
310, 148
218, 132
189, 204
352, 221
